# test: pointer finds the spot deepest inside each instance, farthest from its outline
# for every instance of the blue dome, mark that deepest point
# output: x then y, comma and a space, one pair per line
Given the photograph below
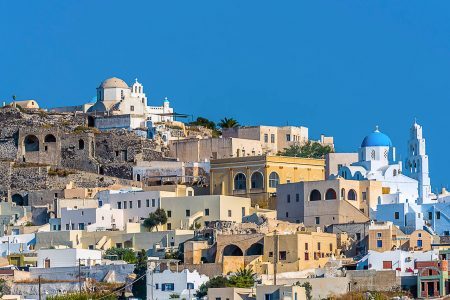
375, 139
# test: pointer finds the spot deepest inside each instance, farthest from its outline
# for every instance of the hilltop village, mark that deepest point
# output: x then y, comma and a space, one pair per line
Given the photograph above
119, 199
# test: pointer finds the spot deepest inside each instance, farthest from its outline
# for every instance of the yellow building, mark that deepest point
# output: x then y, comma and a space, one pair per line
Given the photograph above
257, 177
385, 236
299, 251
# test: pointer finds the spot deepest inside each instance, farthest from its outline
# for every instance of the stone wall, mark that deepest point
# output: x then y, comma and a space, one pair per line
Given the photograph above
371, 280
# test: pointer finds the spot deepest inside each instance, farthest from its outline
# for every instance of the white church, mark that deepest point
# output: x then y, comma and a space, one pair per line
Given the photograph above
407, 200
121, 106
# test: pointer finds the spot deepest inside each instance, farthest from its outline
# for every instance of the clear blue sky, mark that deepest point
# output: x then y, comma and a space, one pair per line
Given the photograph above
337, 67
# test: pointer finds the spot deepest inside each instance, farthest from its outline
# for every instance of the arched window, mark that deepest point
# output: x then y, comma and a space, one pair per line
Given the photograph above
330, 194
274, 180
232, 250
80, 144
315, 195
257, 180
50, 138
342, 194
351, 195
240, 182
31, 143
255, 249
372, 154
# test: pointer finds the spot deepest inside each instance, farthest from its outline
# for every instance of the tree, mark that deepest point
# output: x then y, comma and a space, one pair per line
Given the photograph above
159, 217
139, 288
244, 278
200, 121
228, 123
215, 282
125, 254
307, 150
308, 289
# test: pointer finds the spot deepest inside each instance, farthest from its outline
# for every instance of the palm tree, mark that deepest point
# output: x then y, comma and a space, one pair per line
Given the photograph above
244, 278
228, 123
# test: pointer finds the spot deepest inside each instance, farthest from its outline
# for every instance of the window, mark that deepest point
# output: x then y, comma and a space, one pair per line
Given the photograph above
315, 195
331, 247
243, 211
131, 108
297, 197
169, 213
282, 255
274, 180
330, 194
446, 232
257, 180
80, 145
124, 204
351, 195
306, 246
131, 204
270, 254
287, 215
419, 234
67, 227
190, 286
342, 194
188, 212
119, 205
73, 226
167, 287
379, 244
139, 203
438, 215
387, 264
80, 226
288, 198
306, 255
364, 196
156, 286
318, 246
266, 138
379, 235
272, 138
206, 211
169, 226
229, 213
147, 202
419, 243
153, 202
430, 215
397, 215
317, 220
358, 236
240, 182
288, 137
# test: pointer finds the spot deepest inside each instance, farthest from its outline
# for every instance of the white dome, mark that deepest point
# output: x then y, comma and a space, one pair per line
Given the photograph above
114, 82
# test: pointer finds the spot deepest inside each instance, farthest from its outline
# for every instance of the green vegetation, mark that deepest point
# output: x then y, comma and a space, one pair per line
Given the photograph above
82, 129
155, 219
308, 150
125, 254
82, 296
308, 289
228, 123
215, 282
200, 121
244, 278
60, 172
140, 286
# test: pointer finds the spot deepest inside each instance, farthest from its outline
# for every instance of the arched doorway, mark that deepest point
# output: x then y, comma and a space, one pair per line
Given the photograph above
232, 250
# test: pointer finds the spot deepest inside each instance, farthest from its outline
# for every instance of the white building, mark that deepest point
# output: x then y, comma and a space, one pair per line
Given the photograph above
20, 243
184, 283
135, 204
92, 219
69, 257
401, 261
116, 98
377, 161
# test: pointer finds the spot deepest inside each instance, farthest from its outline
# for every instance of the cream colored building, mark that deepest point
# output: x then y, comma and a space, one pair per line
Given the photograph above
299, 251
257, 177
262, 292
184, 212
326, 202
385, 236
29, 104
334, 161
272, 138
199, 150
